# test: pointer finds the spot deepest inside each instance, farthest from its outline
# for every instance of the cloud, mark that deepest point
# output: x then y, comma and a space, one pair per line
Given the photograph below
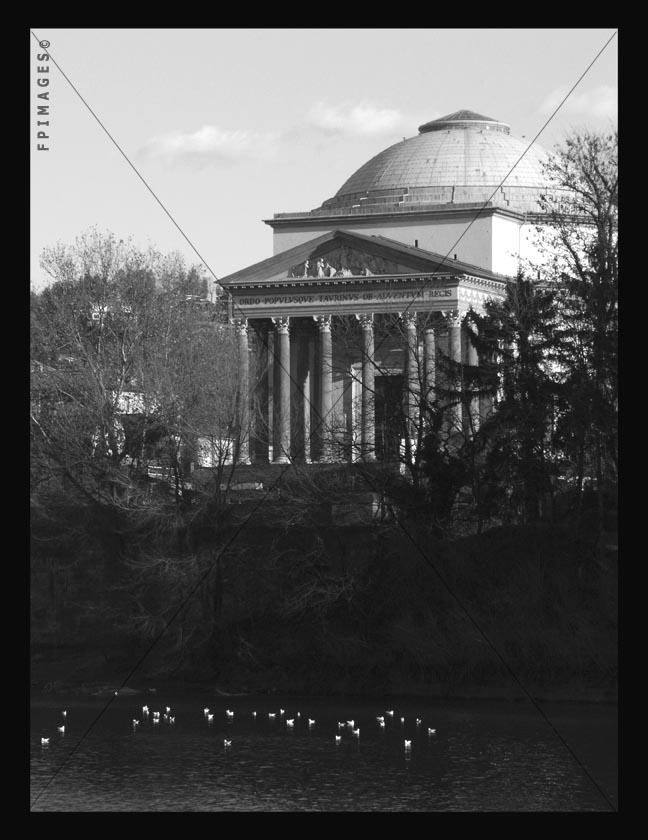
357, 119
600, 102
211, 145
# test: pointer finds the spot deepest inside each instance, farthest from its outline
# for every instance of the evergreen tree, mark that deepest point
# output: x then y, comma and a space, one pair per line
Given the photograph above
581, 264
521, 334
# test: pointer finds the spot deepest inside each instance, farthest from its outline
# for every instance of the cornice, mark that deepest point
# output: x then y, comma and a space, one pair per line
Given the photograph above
363, 280
443, 211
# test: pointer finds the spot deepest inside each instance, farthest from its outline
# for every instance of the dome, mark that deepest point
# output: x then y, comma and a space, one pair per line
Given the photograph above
461, 158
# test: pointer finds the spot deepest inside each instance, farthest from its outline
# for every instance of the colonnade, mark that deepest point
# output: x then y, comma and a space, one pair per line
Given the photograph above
419, 358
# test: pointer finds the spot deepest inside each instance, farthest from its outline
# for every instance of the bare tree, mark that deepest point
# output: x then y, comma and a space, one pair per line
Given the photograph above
133, 378
130, 367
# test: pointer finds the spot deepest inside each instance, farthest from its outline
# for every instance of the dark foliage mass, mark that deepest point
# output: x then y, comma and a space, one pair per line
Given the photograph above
322, 608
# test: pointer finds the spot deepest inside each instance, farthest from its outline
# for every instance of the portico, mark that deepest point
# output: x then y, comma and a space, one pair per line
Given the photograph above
345, 333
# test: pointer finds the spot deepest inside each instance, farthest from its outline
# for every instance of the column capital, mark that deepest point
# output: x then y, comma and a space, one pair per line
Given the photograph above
366, 320
323, 322
408, 318
282, 324
454, 317
240, 325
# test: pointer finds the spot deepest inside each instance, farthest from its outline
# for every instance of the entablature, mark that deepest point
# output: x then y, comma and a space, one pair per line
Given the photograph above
302, 297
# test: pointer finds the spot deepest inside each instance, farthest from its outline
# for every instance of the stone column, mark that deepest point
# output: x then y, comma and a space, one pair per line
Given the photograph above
243, 391
429, 357
260, 417
486, 401
271, 386
454, 319
308, 395
326, 386
442, 383
411, 372
368, 419
472, 360
282, 384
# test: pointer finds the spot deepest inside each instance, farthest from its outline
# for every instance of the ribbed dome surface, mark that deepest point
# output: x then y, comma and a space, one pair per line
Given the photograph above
457, 159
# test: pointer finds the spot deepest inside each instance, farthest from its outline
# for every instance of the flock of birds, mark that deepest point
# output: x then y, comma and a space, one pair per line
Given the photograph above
343, 726
60, 729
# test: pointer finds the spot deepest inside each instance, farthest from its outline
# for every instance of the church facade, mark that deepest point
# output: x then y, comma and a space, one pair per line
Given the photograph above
341, 332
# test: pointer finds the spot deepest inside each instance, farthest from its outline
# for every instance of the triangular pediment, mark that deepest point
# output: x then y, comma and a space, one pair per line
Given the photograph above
345, 254
341, 258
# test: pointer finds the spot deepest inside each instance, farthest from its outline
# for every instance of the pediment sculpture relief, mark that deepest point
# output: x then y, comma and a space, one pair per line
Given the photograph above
343, 261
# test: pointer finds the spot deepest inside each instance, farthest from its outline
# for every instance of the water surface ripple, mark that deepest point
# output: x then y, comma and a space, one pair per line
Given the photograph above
484, 756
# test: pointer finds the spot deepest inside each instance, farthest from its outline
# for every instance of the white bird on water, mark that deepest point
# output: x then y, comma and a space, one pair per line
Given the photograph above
408, 745
338, 739
145, 711
431, 731
205, 711
167, 709
253, 714
64, 712
298, 714
135, 724
61, 729
172, 719
418, 721
229, 713
390, 712
290, 722
402, 721
311, 722
350, 724
272, 715
156, 721
44, 741
382, 724
156, 715
210, 718
380, 719
227, 743
356, 732
282, 711
341, 724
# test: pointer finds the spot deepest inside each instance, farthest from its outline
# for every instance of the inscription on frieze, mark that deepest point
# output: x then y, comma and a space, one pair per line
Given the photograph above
345, 297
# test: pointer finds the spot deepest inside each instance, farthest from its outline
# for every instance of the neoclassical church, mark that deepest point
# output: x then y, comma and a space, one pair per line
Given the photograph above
341, 331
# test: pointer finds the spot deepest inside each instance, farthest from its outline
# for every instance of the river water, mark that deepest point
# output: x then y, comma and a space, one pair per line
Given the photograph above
484, 756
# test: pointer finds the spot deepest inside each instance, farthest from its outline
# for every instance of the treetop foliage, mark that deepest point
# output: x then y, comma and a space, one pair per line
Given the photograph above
125, 342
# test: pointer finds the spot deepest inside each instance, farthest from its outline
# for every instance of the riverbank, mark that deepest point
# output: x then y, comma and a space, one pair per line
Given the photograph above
82, 673
344, 611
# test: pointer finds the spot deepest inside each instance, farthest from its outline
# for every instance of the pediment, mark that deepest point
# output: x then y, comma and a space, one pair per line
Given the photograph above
340, 259
339, 254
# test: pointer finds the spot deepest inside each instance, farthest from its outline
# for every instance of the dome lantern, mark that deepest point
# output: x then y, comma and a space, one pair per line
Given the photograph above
465, 119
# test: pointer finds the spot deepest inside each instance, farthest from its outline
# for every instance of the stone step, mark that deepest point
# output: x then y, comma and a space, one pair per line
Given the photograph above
257, 477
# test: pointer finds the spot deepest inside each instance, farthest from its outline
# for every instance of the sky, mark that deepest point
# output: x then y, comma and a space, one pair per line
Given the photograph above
229, 126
